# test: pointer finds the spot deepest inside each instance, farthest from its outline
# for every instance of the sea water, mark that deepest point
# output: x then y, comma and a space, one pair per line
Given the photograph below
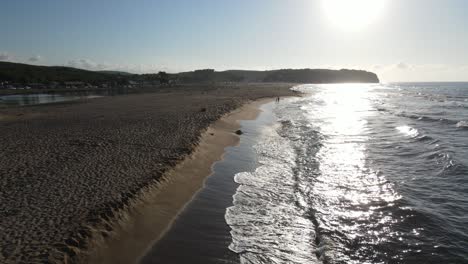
358, 173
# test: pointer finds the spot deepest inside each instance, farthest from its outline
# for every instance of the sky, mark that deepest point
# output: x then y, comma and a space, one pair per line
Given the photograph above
401, 40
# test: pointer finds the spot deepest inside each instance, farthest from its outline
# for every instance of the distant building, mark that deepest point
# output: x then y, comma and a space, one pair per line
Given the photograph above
74, 85
36, 85
53, 84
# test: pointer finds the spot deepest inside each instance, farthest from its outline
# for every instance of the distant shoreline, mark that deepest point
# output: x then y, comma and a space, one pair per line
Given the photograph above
18, 77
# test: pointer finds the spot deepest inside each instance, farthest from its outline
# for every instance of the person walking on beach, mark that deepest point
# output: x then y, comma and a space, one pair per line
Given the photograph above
277, 99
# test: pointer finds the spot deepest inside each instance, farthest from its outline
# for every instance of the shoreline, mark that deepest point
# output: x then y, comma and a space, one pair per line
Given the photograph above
152, 213
201, 232
91, 161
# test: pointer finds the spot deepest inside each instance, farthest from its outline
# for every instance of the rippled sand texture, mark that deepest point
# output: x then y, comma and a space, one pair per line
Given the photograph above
64, 168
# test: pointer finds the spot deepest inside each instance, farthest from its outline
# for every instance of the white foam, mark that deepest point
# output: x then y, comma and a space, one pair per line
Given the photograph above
462, 124
267, 225
408, 131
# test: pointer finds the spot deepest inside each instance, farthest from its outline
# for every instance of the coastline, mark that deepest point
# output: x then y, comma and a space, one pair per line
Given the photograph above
92, 159
152, 214
201, 231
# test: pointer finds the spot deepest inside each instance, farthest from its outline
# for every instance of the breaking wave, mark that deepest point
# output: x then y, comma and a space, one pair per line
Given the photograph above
357, 174
268, 224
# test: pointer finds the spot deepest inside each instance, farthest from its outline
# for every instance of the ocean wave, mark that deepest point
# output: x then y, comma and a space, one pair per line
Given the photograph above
325, 193
462, 124
425, 138
408, 131
425, 118
429, 117
267, 225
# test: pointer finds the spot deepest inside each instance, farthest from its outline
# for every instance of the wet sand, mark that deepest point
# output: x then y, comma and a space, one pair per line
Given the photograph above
200, 233
74, 171
154, 214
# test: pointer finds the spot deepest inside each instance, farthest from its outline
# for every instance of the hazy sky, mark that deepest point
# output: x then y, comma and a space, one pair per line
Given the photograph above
408, 40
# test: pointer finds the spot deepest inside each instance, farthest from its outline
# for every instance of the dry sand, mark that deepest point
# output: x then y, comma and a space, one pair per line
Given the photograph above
148, 219
68, 171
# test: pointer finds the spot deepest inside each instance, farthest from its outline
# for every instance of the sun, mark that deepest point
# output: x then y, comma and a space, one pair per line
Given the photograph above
353, 15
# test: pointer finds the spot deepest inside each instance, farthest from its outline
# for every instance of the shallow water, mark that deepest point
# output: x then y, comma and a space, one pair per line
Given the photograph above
35, 99
60, 97
356, 173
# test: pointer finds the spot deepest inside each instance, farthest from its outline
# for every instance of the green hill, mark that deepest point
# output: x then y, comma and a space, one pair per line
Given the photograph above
24, 73
285, 75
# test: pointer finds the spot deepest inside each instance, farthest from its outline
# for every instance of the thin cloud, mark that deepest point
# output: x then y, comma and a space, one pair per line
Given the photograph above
402, 66
35, 58
86, 64
417, 72
5, 56
91, 65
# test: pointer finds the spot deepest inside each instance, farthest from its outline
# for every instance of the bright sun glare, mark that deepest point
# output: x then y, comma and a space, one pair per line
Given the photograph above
353, 14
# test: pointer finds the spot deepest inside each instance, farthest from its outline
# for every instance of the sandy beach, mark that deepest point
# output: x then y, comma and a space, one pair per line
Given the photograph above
152, 215
75, 176
201, 230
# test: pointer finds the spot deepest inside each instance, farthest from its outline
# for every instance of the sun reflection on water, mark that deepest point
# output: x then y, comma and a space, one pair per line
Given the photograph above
348, 191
